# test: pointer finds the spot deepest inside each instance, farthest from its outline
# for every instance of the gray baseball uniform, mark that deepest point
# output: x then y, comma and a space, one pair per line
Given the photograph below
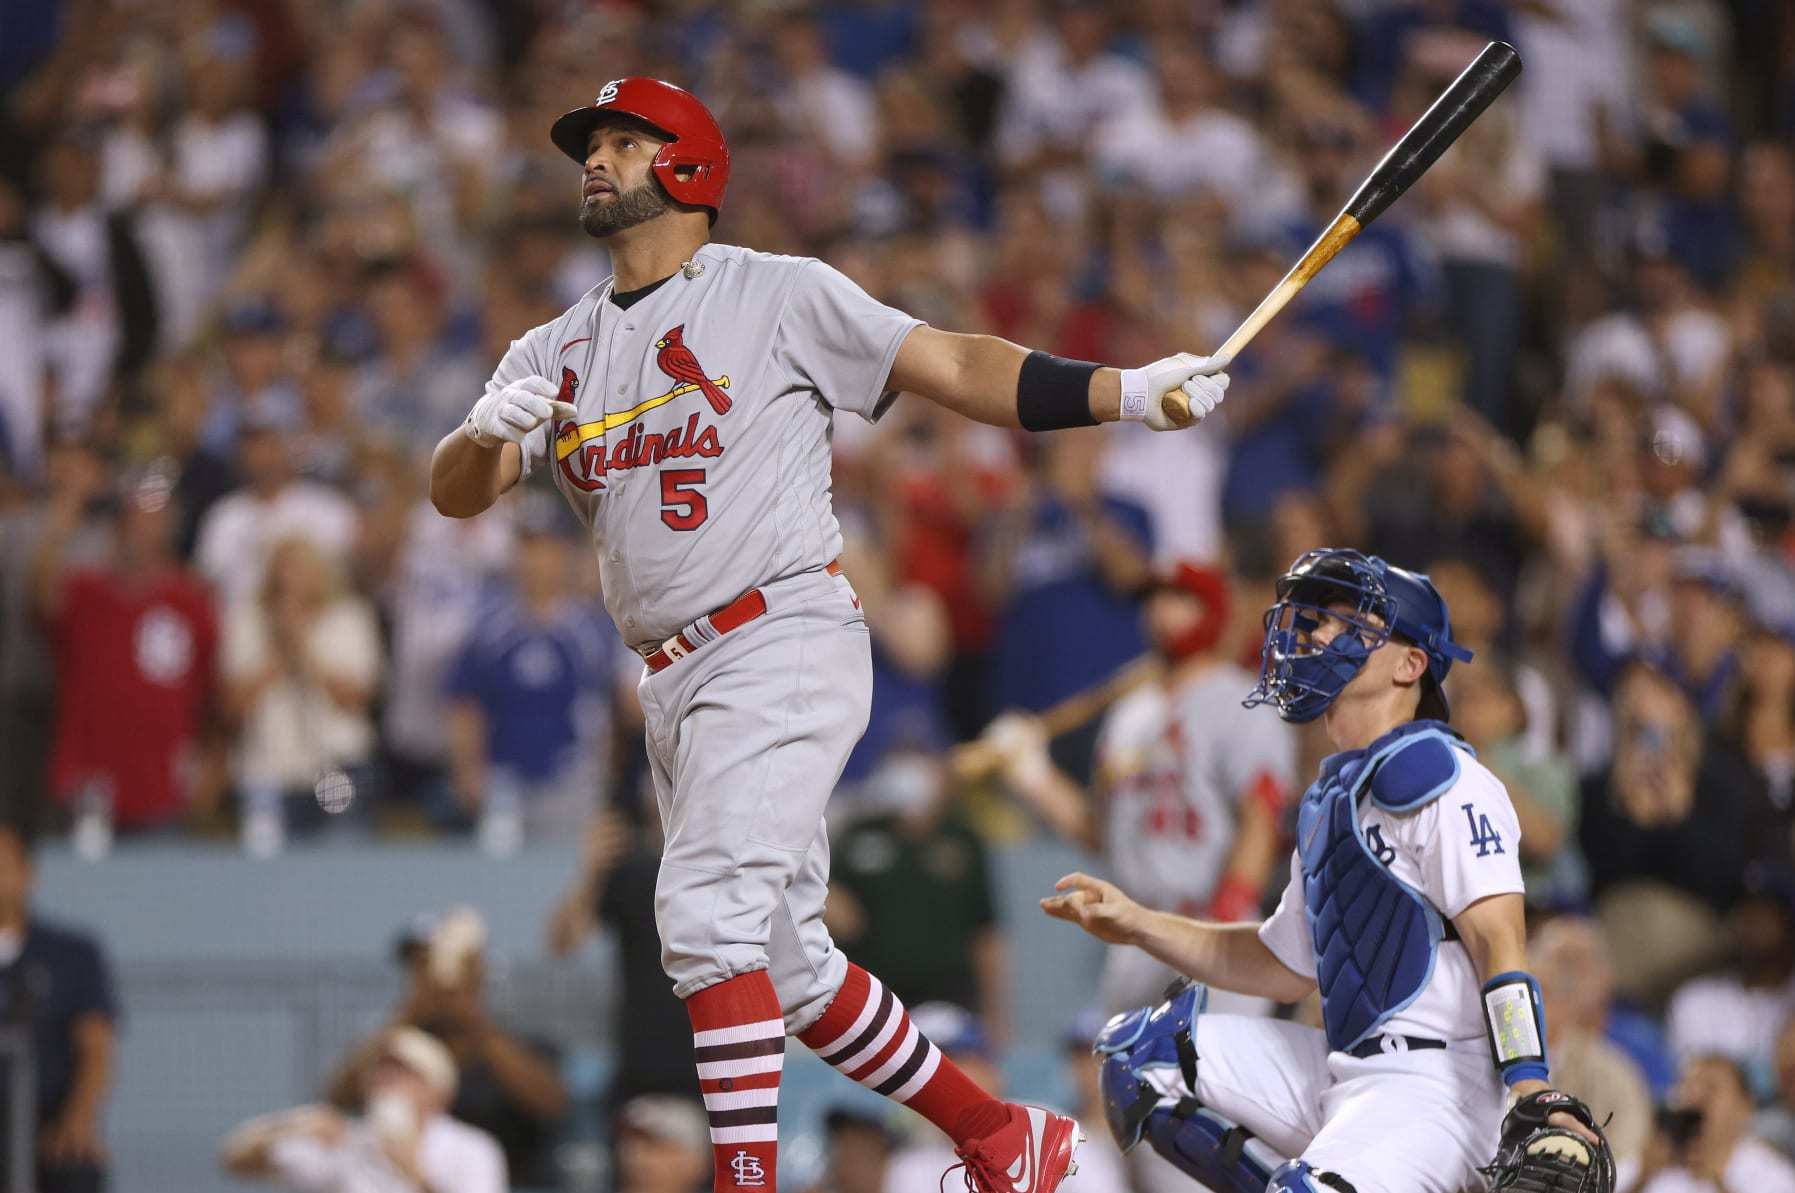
700, 463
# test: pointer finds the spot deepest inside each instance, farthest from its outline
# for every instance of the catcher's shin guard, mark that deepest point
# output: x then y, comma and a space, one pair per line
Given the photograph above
1298, 1177
1149, 1070
1218, 1153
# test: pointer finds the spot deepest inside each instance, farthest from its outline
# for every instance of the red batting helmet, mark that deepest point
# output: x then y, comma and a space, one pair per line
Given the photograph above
1210, 588
695, 145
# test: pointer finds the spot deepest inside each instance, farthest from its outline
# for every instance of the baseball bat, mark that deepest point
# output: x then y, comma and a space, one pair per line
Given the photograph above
1461, 103
976, 759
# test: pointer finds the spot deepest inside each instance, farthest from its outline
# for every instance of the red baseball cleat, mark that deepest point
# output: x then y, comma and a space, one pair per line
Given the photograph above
1031, 1151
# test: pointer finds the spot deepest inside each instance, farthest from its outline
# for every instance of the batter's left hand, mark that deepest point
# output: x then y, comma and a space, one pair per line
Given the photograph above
1558, 1118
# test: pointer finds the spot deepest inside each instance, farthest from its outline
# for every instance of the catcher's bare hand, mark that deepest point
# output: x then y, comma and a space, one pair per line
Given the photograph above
1098, 907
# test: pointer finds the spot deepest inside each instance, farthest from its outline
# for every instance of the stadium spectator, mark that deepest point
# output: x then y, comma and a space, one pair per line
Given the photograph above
440, 577
1571, 962
249, 378
818, 100
614, 889
239, 532
935, 940
56, 984
859, 1152
1065, 85
663, 1145
135, 643
1487, 710
1704, 1141
911, 650
204, 192
531, 693
300, 663
31, 288
1738, 1013
414, 381
1665, 848
65, 512
105, 324
508, 1086
1775, 1124
1187, 143
1363, 309
1755, 742
404, 1141
1483, 201
1067, 559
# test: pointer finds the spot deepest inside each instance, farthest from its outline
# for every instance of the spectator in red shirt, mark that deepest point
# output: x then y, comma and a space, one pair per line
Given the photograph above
134, 641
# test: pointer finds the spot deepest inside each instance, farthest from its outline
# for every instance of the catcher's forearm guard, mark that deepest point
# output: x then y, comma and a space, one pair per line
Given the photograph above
1515, 1016
1537, 1157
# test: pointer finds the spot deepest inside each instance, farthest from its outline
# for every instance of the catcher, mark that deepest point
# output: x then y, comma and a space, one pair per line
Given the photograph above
1403, 909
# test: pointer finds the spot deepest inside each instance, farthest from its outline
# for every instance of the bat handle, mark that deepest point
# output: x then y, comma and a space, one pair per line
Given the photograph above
1173, 401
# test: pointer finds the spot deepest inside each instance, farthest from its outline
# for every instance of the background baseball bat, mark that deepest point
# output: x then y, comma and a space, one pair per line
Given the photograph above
976, 759
1461, 103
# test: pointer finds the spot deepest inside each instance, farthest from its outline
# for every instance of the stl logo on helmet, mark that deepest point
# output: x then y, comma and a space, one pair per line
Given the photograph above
586, 452
607, 94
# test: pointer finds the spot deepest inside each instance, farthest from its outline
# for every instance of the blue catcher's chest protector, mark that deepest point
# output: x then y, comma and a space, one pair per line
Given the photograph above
1374, 935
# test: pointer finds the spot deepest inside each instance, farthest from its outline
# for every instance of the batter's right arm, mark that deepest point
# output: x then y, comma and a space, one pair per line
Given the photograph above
993, 381
1226, 956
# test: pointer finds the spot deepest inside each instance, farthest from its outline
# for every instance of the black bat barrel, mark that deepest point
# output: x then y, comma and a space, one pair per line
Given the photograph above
1460, 104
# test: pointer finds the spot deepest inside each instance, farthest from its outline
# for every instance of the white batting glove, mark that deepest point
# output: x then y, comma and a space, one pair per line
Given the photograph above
509, 414
1176, 392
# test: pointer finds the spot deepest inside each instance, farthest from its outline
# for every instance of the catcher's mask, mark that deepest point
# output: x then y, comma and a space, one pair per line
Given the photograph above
1301, 677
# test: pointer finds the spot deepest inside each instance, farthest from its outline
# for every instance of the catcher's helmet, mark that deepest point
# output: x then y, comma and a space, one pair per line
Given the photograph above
695, 145
1300, 679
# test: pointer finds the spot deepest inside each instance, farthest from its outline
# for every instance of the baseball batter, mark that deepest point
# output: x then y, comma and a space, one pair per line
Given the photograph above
1190, 787
1404, 909
684, 408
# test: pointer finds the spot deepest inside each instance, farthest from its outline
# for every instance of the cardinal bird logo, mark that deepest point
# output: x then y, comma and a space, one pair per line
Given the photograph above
680, 363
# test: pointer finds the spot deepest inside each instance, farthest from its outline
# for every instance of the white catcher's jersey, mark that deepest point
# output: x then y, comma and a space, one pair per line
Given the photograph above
700, 459
1461, 847
1174, 766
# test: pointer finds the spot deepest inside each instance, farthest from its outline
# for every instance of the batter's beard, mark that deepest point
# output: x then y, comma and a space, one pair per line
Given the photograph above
635, 206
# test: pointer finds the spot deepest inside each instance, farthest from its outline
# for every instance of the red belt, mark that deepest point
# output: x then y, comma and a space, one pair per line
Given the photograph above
733, 616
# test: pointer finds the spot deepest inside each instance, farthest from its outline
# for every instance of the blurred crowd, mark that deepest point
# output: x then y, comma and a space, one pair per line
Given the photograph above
256, 256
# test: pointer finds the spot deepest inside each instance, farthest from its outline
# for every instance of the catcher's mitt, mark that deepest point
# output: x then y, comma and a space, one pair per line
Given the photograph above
1536, 1157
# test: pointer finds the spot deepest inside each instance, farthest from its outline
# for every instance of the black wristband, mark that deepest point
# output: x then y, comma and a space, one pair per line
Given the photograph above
1053, 393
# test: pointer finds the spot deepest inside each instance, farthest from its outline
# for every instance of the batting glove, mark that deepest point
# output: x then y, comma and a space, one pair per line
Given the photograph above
1176, 392
509, 414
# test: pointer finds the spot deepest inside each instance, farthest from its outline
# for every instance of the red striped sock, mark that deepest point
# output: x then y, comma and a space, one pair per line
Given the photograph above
867, 1035
738, 1040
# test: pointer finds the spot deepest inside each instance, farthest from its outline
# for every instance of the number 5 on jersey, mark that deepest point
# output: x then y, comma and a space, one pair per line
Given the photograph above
683, 506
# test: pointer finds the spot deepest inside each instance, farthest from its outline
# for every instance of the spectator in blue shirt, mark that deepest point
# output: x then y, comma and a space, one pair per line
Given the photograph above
532, 694
1072, 561
54, 982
